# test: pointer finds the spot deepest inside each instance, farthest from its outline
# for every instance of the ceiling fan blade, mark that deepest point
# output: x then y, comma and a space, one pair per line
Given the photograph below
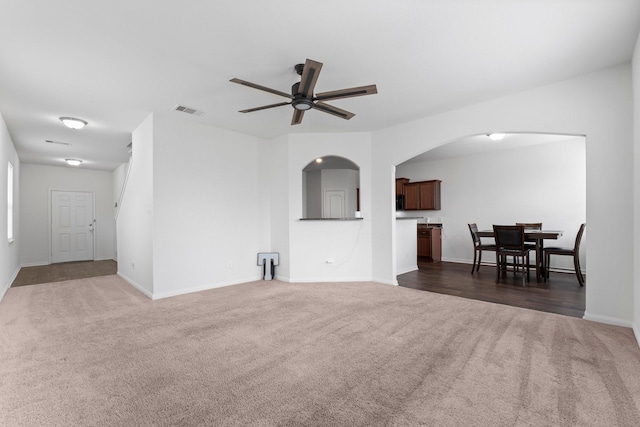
297, 117
259, 87
326, 108
309, 78
347, 93
264, 107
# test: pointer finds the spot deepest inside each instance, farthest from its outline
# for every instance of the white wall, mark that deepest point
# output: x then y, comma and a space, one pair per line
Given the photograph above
275, 193
406, 245
9, 251
313, 243
312, 197
598, 105
36, 183
475, 189
209, 222
636, 189
135, 215
119, 177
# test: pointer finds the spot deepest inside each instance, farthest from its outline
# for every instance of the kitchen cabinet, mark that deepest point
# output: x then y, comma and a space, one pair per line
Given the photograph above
430, 242
400, 182
422, 195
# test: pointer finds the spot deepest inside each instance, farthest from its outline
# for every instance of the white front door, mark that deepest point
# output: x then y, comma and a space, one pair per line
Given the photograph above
72, 226
334, 204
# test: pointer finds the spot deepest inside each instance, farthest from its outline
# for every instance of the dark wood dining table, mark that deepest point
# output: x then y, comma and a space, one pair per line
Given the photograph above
537, 236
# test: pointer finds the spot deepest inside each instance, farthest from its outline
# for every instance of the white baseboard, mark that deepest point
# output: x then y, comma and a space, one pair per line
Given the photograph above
4, 290
34, 264
161, 295
636, 332
7, 285
608, 320
393, 282
458, 260
407, 270
135, 285
331, 279
105, 259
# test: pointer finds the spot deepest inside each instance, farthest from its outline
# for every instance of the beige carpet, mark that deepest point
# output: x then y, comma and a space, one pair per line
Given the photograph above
96, 352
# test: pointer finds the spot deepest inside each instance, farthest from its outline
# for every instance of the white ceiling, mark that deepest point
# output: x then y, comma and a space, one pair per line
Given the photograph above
112, 63
482, 144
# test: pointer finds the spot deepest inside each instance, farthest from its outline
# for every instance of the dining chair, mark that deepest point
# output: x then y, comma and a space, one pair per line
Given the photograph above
531, 226
574, 252
478, 247
510, 243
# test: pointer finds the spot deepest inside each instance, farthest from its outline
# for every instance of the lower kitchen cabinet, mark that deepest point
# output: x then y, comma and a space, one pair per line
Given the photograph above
430, 242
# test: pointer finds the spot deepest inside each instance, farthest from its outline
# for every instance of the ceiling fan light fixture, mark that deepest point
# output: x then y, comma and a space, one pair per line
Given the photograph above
302, 104
73, 162
73, 123
496, 136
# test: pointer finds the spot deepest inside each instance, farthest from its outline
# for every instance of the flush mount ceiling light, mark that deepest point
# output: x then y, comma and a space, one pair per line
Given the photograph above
496, 136
73, 162
73, 123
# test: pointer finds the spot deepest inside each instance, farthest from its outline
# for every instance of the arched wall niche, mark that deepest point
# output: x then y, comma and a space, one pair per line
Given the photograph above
330, 188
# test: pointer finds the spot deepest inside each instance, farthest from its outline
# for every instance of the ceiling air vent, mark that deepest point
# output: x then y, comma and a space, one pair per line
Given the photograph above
48, 141
188, 110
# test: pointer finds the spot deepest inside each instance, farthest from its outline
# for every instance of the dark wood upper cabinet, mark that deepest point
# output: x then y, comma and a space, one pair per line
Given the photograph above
411, 196
422, 195
400, 182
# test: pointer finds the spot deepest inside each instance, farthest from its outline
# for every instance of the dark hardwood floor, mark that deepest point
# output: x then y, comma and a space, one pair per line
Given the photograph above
64, 271
561, 294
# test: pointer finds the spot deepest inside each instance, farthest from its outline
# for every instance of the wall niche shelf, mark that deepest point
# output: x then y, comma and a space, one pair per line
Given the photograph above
331, 219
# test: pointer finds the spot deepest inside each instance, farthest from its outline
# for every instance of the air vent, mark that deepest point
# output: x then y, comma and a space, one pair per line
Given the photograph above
188, 110
48, 141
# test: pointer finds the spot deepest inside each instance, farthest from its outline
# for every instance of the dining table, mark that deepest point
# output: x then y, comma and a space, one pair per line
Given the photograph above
537, 236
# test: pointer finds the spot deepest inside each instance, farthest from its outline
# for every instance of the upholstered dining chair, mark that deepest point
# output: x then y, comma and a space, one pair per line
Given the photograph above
478, 247
574, 252
510, 243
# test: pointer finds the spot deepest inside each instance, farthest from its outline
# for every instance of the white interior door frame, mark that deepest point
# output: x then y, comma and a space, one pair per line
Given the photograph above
95, 224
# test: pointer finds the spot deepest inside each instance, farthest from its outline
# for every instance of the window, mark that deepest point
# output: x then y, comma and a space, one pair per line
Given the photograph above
10, 202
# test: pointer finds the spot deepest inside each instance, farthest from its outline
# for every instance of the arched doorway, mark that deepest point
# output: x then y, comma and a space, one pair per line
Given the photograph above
521, 178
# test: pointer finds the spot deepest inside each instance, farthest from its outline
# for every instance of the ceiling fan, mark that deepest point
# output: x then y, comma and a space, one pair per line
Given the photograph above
303, 98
